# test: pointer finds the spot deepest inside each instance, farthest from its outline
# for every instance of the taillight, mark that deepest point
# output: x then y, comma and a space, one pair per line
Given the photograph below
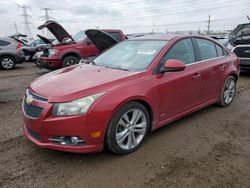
19, 45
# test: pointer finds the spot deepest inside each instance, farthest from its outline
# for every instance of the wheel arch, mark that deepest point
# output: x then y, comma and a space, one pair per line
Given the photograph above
8, 55
234, 75
140, 100
75, 54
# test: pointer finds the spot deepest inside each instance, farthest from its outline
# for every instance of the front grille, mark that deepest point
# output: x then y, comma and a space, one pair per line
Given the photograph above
37, 97
245, 62
242, 51
32, 111
33, 134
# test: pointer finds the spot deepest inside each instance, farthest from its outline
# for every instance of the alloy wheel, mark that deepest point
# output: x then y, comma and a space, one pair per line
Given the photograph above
229, 91
7, 63
131, 129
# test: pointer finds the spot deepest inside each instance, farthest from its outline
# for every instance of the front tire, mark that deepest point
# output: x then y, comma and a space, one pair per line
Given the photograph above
70, 60
228, 92
128, 129
7, 63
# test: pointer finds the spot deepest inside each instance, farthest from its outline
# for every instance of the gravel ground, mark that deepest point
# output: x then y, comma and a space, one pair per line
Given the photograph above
210, 148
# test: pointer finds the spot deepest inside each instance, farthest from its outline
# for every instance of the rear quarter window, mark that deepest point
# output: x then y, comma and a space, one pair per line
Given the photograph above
4, 43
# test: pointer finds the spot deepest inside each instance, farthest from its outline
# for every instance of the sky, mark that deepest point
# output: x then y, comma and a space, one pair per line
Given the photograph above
131, 16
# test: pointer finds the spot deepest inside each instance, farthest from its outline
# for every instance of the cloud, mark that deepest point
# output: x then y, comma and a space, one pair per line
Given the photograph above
128, 15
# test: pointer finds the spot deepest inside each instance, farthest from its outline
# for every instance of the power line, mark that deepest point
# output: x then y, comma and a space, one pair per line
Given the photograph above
46, 17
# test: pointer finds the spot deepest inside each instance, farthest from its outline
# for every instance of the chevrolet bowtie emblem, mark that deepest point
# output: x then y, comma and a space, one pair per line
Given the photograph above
29, 99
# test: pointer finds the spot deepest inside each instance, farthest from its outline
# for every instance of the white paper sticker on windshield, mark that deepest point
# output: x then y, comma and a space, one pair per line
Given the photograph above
147, 52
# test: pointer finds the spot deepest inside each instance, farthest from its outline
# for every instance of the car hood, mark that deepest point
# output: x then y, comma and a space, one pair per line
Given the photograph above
44, 39
17, 35
56, 29
77, 81
240, 30
101, 39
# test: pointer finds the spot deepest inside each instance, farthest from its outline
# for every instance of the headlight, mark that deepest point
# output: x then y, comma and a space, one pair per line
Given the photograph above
76, 107
52, 52
82, 61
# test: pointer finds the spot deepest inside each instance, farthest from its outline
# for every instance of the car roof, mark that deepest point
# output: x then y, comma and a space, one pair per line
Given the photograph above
110, 30
156, 37
168, 37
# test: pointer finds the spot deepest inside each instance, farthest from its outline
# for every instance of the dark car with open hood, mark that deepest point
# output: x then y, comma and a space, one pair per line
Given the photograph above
240, 42
70, 49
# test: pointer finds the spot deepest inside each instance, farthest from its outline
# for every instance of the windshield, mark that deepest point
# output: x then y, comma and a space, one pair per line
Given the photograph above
79, 36
131, 55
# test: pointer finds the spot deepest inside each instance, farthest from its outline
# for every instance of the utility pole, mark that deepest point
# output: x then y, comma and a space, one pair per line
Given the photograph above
46, 16
26, 22
208, 24
16, 27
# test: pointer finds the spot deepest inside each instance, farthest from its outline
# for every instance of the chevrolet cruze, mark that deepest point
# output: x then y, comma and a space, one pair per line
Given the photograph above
135, 87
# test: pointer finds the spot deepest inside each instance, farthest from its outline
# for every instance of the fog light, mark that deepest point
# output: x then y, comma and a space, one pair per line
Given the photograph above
61, 140
74, 140
67, 140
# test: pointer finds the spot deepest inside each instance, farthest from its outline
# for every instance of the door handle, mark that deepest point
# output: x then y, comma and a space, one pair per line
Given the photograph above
196, 76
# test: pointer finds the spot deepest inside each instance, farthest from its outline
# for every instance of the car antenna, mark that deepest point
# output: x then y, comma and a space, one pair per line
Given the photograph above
248, 17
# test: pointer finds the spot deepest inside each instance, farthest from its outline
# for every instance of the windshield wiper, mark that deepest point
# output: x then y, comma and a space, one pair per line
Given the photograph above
119, 68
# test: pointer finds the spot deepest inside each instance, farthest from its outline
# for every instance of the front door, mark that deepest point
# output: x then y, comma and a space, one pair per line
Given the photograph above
179, 91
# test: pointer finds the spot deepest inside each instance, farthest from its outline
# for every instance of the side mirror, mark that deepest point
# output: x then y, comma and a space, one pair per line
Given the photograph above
173, 65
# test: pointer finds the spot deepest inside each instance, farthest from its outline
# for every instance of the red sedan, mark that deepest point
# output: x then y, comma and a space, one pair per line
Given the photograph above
136, 86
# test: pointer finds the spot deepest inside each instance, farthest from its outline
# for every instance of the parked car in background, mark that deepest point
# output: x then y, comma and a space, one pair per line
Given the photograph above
40, 41
240, 44
36, 46
224, 40
70, 50
19, 37
136, 86
11, 53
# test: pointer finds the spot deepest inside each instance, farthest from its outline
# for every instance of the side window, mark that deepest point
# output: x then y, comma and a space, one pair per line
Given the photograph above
219, 50
183, 50
4, 43
207, 49
115, 35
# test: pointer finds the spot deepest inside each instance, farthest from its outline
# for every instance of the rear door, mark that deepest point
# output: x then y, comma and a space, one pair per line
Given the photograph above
212, 67
179, 91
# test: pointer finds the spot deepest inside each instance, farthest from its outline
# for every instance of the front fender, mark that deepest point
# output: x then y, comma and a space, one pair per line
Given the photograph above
105, 108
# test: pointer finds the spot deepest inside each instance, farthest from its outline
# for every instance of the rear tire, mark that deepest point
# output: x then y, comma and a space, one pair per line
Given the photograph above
7, 62
228, 92
128, 129
70, 60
